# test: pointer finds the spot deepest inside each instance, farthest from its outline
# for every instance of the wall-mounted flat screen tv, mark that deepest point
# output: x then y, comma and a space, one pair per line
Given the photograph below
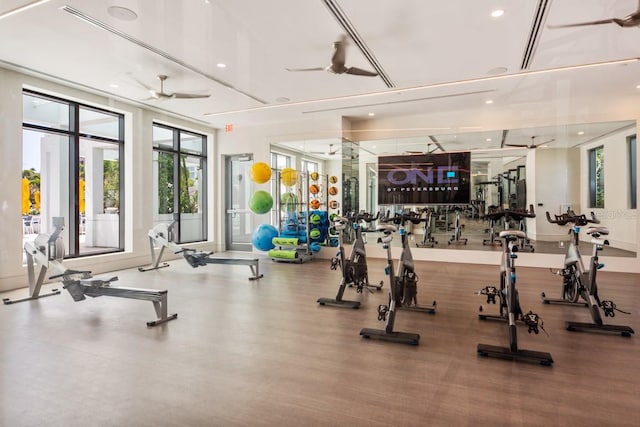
424, 179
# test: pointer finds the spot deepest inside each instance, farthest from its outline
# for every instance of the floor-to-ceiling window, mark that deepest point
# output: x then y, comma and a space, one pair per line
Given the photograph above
596, 178
180, 159
633, 172
73, 168
279, 161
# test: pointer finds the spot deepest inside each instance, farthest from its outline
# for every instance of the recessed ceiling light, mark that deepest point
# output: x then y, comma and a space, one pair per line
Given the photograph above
282, 99
374, 146
638, 87
497, 13
114, 85
371, 114
122, 13
489, 101
488, 139
581, 133
221, 65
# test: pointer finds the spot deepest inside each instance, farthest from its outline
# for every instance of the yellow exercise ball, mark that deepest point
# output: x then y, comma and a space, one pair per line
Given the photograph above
288, 177
260, 173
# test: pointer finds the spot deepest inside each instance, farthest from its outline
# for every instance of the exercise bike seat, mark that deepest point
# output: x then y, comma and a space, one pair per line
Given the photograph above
386, 228
513, 233
602, 231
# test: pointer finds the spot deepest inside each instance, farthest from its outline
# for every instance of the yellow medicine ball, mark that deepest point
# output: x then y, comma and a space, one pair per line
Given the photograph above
260, 173
333, 179
289, 177
314, 176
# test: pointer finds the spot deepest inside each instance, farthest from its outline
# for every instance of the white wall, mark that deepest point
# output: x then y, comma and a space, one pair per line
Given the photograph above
551, 178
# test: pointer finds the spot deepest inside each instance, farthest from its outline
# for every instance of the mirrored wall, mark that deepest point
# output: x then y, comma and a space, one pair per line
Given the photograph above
546, 169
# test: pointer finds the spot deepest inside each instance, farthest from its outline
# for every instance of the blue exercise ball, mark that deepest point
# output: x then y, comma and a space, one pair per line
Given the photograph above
262, 237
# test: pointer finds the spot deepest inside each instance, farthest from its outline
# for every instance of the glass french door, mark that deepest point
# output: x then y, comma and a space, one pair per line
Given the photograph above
240, 221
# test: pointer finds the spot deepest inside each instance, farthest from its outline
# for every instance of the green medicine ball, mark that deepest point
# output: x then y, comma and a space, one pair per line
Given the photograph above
315, 233
261, 202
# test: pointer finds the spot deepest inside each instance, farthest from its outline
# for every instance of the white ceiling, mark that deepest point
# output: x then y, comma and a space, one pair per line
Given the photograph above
419, 45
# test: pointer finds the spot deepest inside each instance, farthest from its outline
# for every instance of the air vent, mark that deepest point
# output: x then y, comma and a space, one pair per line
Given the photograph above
534, 35
345, 23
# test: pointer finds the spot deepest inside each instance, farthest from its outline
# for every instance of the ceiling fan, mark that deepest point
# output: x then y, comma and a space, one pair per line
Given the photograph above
331, 152
161, 94
429, 150
338, 60
532, 145
632, 20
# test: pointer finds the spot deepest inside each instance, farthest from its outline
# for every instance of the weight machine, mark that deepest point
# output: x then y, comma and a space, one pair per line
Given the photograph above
162, 236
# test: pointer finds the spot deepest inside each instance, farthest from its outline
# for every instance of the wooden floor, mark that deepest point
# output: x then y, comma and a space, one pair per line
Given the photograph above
263, 353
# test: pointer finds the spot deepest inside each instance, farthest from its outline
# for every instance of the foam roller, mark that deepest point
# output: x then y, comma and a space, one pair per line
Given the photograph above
285, 241
274, 253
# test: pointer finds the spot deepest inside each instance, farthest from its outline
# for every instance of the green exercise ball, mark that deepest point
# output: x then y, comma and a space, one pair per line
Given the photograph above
261, 202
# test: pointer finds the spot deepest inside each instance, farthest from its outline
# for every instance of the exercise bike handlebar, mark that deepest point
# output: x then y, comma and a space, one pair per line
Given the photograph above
571, 217
367, 217
516, 214
399, 219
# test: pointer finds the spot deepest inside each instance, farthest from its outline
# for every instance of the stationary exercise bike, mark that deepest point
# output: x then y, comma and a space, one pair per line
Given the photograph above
428, 241
510, 309
354, 269
406, 275
493, 215
456, 237
387, 313
578, 282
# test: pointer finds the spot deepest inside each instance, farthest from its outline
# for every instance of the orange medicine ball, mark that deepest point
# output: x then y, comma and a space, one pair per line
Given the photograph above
314, 189
314, 204
333, 190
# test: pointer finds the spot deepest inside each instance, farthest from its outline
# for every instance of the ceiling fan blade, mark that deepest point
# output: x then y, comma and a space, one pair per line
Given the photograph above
584, 24
360, 72
178, 95
142, 84
306, 69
